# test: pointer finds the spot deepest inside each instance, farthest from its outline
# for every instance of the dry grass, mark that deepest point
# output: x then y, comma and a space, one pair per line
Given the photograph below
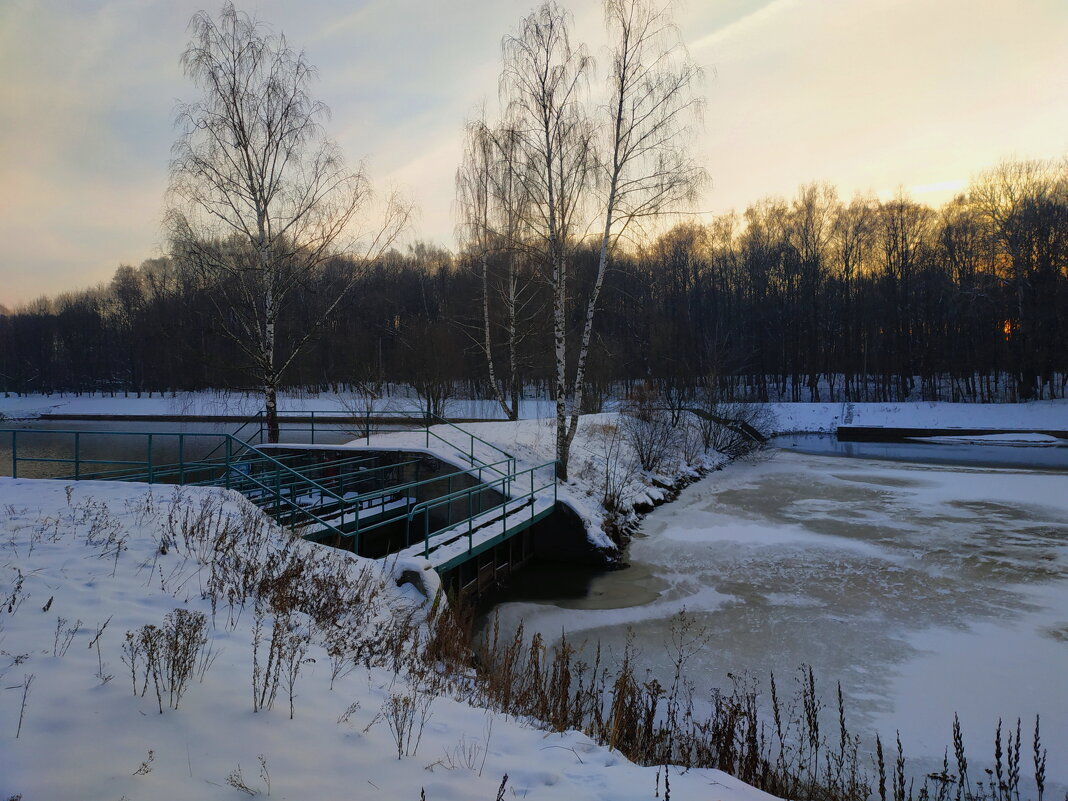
243, 563
789, 752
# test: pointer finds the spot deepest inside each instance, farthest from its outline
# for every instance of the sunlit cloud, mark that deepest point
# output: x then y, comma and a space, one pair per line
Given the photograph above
952, 186
864, 95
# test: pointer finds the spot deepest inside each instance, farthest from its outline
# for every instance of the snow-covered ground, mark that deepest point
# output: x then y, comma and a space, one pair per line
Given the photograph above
958, 570
602, 459
194, 404
82, 565
791, 417
826, 417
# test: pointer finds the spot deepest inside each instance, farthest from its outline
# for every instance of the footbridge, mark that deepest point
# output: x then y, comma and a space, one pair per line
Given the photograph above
442, 494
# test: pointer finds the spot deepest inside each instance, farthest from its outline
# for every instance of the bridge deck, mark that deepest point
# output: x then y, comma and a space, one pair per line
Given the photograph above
452, 546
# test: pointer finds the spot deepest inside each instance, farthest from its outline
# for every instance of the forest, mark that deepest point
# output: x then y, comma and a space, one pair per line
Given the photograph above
804, 299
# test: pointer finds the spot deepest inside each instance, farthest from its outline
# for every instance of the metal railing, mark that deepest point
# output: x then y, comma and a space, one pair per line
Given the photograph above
473, 497
327, 498
470, 454
408, 493
364, 425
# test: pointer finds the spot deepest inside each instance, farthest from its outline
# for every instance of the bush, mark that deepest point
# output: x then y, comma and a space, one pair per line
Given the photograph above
723, 426
648, 427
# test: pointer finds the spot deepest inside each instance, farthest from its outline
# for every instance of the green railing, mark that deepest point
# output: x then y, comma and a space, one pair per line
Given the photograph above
469, 439
476, 512
149, 468
328, 498
314, 423
408, 492
239, 466
363, 426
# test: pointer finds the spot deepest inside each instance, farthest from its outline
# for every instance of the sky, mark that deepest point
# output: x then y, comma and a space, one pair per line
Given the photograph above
869, 95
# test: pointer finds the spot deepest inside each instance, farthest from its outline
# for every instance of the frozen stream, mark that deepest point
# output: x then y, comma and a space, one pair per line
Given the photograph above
925, 589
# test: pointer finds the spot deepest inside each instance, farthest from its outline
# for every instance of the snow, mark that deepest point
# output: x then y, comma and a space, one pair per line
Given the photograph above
996, 439
223, 403
533, 444
1049, 415
927, 590
93, 549
87, 557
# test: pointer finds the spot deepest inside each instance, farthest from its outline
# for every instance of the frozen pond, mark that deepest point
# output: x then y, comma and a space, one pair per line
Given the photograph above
925, 589
980, 451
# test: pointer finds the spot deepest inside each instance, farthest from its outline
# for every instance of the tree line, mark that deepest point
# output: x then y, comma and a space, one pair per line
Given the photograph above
810, 299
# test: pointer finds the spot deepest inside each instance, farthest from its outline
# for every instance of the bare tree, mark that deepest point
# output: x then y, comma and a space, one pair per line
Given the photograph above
647, 169
642, 171
854, 233
903, 232
545, 81
1016, 198
492, 205
261, 196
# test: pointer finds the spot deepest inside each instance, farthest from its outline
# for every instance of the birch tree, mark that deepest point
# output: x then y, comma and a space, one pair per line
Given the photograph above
492, 205
646, 170
261, 197
622, 165
544, 82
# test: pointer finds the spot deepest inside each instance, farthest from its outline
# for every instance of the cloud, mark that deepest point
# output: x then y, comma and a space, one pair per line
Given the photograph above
745, 26
865, 95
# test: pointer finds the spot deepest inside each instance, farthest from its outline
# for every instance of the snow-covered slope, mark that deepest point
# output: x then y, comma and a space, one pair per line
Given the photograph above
83, 565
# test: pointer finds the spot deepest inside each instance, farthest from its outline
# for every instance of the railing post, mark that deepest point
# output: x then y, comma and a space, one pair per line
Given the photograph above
229, 455
151, 473
77, 455
181, 460
448, 506
14, 454
367, 426
470, 522
313, 427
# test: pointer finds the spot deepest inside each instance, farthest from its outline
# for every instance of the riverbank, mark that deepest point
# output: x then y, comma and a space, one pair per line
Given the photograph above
972, 417
281, 692
789, 417
607, 486
236, 405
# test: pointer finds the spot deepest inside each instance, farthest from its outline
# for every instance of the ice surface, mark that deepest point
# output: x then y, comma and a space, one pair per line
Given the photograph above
926, 590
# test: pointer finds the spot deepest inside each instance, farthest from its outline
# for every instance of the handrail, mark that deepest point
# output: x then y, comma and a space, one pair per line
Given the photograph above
402, 489
282, 499
505, 481
270, 481
287, 468
472, 439
148, 464
467, 471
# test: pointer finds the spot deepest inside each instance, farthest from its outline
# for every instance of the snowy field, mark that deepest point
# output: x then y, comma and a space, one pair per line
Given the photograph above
791, 417
194, 404
926, 590
82, 565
